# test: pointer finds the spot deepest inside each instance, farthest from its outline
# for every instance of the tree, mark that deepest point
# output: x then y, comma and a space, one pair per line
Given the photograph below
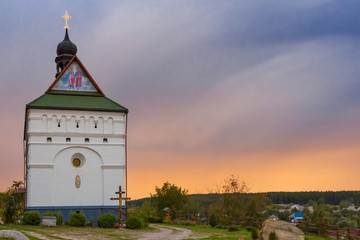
13, 202
213, 220
169, 195
232, 204
320, 217
356, 199
284, 216
146, 211
256, 206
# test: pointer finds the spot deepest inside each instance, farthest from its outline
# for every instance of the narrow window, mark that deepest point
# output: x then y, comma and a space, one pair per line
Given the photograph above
58, 124
95, 125
87, 140
77, 125
105, 140
49, 139
68, 139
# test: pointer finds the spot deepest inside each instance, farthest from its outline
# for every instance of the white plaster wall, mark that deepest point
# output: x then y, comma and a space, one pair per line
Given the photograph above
90, 191
51, 175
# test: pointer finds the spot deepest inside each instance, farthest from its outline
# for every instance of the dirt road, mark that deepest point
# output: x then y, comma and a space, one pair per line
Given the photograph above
158, 232
167, 232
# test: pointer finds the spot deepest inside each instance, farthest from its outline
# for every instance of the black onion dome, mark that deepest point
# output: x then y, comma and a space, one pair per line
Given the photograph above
66, 46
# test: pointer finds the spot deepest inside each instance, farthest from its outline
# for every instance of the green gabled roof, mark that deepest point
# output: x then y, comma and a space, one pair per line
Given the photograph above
76, 101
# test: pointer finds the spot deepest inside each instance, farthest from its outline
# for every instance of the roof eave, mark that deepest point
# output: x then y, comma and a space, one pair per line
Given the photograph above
79, 109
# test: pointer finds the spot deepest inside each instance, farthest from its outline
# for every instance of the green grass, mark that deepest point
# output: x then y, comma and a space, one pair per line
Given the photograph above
216, 233
66, 232
210, 233
314, 237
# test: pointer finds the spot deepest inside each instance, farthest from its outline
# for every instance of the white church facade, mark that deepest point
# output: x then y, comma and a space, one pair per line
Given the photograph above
75, 143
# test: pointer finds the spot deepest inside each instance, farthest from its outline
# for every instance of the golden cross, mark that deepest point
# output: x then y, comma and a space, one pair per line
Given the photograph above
66, 17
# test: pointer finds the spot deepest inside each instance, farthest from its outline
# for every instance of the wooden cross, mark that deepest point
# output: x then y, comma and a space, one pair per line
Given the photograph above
66, 17
120, 198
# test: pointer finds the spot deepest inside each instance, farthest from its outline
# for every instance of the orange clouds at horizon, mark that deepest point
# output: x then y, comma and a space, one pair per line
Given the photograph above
295, 171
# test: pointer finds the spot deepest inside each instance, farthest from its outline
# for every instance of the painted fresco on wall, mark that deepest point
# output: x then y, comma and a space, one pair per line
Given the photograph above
74, 79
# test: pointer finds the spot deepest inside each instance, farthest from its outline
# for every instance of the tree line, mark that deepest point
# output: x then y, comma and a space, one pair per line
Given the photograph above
327, 197
233, 205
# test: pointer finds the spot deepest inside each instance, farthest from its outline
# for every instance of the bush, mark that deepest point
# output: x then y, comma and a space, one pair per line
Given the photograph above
31, 218
187, 223
107, 221
77, 220
273, 236
59, 217
249, 228
154, 219
254, 233
233, 229
221, 227
213, 220
133, 223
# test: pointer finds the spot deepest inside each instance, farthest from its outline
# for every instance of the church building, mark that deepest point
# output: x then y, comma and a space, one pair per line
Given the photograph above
75, 143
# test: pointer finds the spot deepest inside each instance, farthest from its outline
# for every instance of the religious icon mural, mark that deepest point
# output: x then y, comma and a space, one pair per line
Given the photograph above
74, 79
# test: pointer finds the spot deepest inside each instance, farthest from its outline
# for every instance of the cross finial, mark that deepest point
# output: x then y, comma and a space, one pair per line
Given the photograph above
66, 17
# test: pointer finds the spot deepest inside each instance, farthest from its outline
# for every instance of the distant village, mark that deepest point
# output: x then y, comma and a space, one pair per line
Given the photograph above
297, 211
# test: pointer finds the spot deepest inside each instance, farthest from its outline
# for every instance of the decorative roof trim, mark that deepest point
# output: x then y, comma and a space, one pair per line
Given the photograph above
78, 109
83, 68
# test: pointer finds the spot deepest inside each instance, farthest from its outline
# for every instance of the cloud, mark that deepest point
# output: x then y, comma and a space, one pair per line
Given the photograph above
276, 104
229, 80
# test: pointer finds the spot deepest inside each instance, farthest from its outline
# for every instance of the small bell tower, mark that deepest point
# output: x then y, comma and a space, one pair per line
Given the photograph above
66, 50
75, 143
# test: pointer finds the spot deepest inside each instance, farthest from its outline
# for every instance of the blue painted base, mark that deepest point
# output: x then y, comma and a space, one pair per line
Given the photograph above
90, 212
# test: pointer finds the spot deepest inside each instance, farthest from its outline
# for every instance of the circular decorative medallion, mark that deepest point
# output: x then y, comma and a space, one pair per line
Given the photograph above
76, 162
77, 181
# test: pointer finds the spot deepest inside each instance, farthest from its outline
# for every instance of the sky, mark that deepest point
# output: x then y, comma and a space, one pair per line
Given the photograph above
268, 91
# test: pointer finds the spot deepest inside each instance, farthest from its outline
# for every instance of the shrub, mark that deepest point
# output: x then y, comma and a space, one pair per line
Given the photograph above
249, 228
77, 220
154, 219
31, 218
59, 217
233, 229
221, 227
273, 236
107, 221
133, 223
254, 233
187, 223
213, 220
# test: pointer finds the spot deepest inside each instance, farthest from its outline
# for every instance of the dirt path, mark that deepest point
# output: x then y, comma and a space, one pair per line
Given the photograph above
166, 233
158, 232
